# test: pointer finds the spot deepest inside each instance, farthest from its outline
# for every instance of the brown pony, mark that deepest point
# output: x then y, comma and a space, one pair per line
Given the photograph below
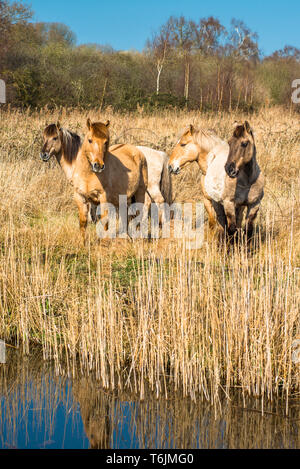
101, 174
197, 145
244, 181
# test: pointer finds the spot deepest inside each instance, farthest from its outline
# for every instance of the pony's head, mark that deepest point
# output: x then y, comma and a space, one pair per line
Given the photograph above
96, 144
185, 151
52, 141
241, 149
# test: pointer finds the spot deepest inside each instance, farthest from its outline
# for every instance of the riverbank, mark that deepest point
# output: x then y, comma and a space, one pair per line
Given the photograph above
152, 313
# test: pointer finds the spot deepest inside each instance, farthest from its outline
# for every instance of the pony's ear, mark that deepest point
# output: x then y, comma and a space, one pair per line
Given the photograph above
238, 129
107, 123
58, 125
89, 123
247, 127
191, 129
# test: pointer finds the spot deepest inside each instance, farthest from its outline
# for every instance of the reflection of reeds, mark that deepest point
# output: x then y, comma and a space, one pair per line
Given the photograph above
114, 420
182, 423
154, 314
31, 392
185, 424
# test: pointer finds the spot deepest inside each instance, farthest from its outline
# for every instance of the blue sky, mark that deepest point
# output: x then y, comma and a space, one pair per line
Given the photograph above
126, 24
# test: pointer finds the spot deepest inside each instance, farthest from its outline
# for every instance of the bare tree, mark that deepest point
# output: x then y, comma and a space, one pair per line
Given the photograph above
243, 42
208, 33
288, 53
182, 38
159, 47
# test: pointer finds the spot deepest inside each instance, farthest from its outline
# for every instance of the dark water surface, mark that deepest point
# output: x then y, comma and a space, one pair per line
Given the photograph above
38, 409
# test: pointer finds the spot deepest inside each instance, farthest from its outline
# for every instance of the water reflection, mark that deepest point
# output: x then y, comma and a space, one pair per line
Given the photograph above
39, 409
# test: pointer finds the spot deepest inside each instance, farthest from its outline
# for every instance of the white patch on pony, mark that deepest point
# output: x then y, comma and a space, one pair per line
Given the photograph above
176, 164
96, 148
214, 181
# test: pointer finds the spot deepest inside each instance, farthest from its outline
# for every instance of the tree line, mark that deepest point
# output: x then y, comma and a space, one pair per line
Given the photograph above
186, 63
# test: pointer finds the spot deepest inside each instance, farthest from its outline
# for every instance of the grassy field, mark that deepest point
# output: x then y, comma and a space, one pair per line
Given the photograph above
152, 314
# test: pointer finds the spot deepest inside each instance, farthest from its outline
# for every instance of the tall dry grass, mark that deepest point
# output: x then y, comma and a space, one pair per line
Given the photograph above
152, 313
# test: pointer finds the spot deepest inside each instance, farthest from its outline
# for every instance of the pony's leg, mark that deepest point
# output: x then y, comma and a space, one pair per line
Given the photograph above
220, 215
83, 209
103, 212
92, 212
239, 216
229, 208
250, 217
210, 212
157, 197
208, 205
142, 197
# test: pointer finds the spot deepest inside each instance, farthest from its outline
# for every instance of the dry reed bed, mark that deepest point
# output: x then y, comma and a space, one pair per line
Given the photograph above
140, 313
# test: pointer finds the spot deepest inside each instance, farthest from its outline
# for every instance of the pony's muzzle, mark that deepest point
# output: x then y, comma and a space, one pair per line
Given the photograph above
45, 157
98, 168
173, 171
231, 170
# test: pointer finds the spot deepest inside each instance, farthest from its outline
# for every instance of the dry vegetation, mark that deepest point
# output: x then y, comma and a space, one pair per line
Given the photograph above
152, 313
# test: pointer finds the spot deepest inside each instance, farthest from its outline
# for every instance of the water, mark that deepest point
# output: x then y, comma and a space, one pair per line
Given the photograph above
39, 409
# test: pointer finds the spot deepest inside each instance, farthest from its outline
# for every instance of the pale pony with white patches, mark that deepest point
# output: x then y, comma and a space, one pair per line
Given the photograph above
204, 147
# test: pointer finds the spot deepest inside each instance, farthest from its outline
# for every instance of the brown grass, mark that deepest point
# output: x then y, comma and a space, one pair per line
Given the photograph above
152, 313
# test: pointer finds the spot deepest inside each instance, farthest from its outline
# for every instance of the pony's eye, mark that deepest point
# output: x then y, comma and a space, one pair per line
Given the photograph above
244, 144
183, 144
55, 138
90, 141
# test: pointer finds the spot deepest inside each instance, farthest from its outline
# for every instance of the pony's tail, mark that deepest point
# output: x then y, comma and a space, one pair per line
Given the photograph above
166, 183
144, 171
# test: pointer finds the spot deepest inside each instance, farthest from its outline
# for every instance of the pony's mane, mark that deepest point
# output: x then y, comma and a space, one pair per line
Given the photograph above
210, 134
71, 143
204, 137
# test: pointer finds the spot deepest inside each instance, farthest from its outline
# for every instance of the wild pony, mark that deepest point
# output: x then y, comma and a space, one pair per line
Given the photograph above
64, 145
244, 181
197, 145
101, 174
